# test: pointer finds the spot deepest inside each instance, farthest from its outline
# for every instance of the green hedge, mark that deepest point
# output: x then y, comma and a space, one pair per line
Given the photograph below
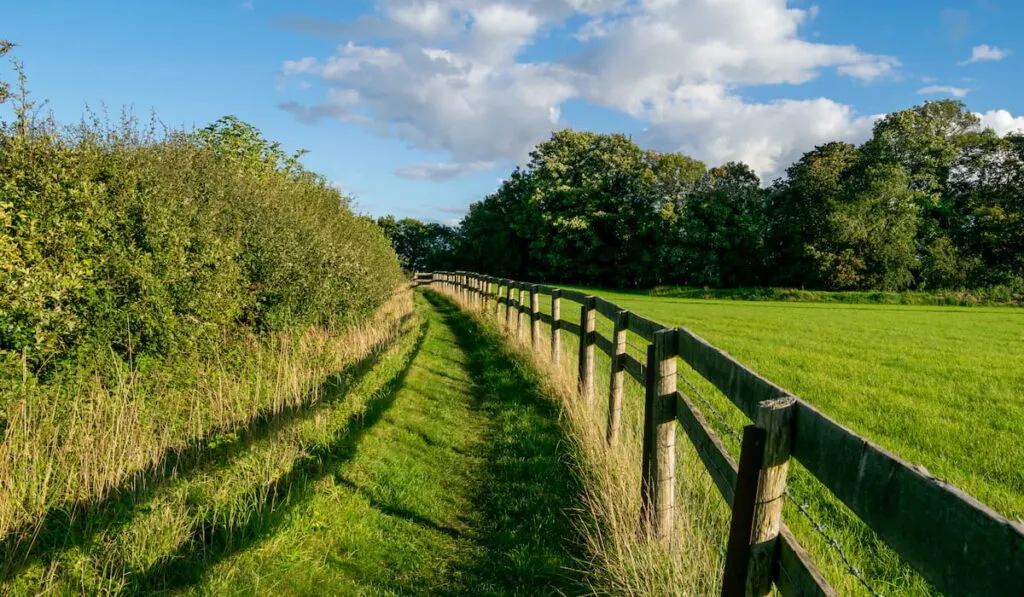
123, 244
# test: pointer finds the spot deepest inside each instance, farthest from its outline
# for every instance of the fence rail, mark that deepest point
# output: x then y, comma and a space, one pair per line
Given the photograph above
957, 543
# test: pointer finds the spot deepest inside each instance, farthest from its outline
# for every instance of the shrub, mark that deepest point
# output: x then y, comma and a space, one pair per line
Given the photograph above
118, 243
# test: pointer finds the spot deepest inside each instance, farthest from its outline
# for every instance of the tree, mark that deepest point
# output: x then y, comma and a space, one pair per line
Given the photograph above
875, 226
723, 228
420, 246
799, 216
5, 88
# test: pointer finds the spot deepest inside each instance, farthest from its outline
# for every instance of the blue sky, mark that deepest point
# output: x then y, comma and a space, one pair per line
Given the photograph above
419, 107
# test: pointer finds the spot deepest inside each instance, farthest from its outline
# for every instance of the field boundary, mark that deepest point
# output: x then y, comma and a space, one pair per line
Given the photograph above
957, 543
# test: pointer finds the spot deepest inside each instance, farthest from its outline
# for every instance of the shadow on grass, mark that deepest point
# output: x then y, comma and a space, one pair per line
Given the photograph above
77, 524
526, 500
216, 539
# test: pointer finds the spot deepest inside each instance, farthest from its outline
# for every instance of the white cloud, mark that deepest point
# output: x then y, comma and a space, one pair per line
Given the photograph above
958, 92
719, 127
440, 171
985, 52
452, 78
1002, 122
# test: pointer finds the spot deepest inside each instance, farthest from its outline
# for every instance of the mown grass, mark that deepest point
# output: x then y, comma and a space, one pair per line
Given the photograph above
941, 387
937, 386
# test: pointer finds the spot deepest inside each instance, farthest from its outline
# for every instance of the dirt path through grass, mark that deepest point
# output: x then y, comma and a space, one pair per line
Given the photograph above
456, 487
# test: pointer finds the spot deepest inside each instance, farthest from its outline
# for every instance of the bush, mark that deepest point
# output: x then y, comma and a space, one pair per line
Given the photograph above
142, 247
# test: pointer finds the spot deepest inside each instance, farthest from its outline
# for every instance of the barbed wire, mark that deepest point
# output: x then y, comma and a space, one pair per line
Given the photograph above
714, 411
833, 543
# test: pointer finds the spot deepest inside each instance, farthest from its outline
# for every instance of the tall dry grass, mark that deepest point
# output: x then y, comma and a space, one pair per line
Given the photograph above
68, 448
623, 558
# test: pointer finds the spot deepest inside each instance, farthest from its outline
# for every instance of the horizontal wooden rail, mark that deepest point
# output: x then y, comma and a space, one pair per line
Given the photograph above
633, 367
604, 344
574, 295
573, 328
606, 308
952, 539
643, 327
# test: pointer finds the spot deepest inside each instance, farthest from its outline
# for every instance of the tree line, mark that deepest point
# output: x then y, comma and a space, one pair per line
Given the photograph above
931, 201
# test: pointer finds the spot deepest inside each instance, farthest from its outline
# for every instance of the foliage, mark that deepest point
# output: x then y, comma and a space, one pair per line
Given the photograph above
119, 241
931, 201
420, 246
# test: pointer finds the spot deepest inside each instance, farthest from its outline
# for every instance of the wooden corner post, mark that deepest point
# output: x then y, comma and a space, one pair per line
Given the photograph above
615, 389
556, 326
663, 490
535, 317
588, 321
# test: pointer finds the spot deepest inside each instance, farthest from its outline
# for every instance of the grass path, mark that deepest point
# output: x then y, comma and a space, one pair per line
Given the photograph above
455, 485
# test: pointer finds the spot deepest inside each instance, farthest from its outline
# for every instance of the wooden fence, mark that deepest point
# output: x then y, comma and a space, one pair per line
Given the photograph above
954, 541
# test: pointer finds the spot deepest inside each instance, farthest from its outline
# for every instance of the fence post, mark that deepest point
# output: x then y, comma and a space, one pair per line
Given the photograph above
508, 305
617, 377
497, 297
519, 311
666, 347
776, 418
535, 316
737, 553
647, 442
586, 358
556, 326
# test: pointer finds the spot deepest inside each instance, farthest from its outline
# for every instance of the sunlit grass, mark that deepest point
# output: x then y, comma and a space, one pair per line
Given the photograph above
860, 364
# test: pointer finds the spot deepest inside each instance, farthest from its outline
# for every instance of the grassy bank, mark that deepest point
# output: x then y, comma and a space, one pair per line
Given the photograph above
165, 503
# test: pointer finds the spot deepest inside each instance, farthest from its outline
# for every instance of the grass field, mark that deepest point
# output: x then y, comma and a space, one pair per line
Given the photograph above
941, 387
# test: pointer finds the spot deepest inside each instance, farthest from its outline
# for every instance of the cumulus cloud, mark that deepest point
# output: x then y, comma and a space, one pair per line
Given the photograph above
440, 171
984, 53
958, 92
719, 127
1002, 122
449, 76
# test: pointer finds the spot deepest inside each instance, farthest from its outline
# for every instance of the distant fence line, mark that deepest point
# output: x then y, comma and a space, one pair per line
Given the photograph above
954, 541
